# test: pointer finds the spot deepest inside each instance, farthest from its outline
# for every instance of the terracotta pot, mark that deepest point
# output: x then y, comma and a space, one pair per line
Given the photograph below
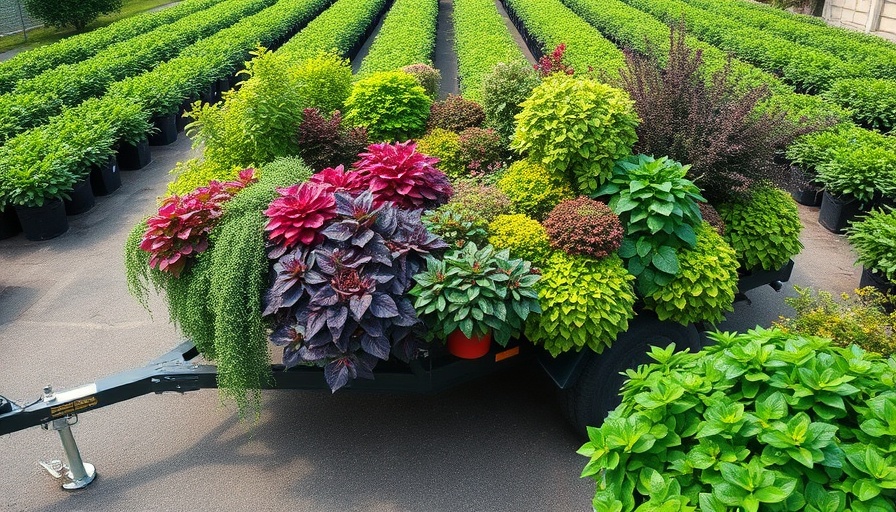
469, 348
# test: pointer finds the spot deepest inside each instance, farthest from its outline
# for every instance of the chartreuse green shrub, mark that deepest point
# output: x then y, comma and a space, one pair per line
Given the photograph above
872, 102
503, 90
763, 420
584, 303
523, 236
444, 145
324, 81
577, 128
391, 105
703, 290
532, 189
764, 229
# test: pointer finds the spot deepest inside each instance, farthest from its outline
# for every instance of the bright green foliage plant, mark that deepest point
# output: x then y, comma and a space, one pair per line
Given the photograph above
764, 420
193, 173
323, 81
584, 302
874, 240
872, 102
391, 105
74, 14
860, 318
764, 229
703, 290
532, 189
407, 35
456, 229
476, 291
658, 207
523, 236
577, 128
503, 90
444, 145
864, 174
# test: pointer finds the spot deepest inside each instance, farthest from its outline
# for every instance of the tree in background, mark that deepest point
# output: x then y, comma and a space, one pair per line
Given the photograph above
70, 13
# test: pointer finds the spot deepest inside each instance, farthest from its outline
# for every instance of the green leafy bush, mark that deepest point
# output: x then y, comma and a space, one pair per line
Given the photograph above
482, 152
407, 35
444, 145
391, 105
764, 229
585, 227
658, 207
584, 302
865, 174
872, 102
523, 236
705, 285
456, 229
814, 149
479, 201
758, 421
455, 114
323, 81
577, 128
70, 14
427, 76
532, 189
874, 239
193, 173
503, 90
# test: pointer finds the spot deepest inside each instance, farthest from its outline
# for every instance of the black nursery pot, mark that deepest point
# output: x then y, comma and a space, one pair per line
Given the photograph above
807, 195
223, 86
43, 222
81, 198
132, 157
210, 94
879, 282
167, 130
9, 223
106, 179
837, 211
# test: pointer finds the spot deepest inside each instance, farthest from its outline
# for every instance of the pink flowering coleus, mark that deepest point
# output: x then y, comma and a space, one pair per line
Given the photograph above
338, 180
297, 216
398, 173
180, 228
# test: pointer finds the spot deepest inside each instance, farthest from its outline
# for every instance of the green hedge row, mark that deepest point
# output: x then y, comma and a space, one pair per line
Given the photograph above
870, 101
83, 46
808, 69
481, 40
551, 23
34, 100
408, 36
342, 28
878, 55
55, 155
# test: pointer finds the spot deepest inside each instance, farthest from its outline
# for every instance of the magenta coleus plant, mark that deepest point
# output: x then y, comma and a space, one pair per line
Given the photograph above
398, 173
180, 228
297, 216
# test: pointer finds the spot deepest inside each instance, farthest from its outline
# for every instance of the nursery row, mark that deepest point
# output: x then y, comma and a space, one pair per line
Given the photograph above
36, 99
407, 36
481, 40
343, 28
83, 46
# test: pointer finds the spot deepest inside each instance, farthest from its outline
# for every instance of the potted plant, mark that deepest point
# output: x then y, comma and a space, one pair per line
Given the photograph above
474, 295
874, 240
9, 223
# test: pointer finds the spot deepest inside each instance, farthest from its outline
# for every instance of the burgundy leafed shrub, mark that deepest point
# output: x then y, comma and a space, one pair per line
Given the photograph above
297, 216
711, 216
180, 228
584, 226
553, 63
455, 114
398, 173
482, 150
325, 143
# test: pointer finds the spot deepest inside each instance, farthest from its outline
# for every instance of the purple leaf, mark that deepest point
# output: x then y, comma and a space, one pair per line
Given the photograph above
336, 318
407, 316
359, 305
405, 349
377, 346
316, 322
340, 231
383, 306
291, 356
313, 277
338, 372
373, 326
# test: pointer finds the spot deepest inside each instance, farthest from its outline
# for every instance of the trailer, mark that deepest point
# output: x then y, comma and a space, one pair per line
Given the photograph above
588, 383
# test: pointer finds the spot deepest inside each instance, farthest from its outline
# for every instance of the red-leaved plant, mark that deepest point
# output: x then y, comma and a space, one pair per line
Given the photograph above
398, 173
584, 226
553, 63
298, 215
337, 179
180, 228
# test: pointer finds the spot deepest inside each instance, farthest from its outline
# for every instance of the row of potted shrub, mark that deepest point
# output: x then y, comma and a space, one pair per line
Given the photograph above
83, 46
343, 27
35, 100
407, 36
481, 40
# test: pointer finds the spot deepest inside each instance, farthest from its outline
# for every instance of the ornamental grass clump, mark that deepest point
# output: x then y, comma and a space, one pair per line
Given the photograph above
765, 420
585, 227
764, 229
523, 236
391, 105
455, 114
532, 189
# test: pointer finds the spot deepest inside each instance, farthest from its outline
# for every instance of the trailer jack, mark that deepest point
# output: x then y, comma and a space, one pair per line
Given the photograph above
77, 473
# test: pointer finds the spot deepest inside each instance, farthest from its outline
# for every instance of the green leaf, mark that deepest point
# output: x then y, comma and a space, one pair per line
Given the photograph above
666, 260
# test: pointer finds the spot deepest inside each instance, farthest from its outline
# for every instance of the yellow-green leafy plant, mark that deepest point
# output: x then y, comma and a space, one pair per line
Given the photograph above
444, 145
532, 189
391, 105
195, 172
584, 303
577, 128
764, 229
704, 288
323, 81
523, 236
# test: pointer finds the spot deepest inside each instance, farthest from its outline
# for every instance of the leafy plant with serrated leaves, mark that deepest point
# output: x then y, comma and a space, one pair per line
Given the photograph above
765, 420
659, 208
764, 229
874, 240
476, 291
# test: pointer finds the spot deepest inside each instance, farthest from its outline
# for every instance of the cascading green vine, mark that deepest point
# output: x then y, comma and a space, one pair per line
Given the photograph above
136, 265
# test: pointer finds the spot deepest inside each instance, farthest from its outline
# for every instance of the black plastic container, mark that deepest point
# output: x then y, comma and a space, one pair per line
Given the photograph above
223, 85
210, 94
132, 157
9, 223
43, 222
881, 283
81, 198
807, 195
182, 121
837, 212
167, 130
106, 178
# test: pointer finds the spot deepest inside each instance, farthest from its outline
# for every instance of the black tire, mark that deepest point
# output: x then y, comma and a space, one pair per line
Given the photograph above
596, 391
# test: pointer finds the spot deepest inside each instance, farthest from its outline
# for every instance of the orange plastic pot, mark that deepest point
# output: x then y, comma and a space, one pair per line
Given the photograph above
469, 348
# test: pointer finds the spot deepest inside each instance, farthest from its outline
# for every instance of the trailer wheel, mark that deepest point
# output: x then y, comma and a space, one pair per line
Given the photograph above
596, 391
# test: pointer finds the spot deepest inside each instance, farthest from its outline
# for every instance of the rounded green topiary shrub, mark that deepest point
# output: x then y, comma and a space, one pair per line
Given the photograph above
584, 302
503, 90
444, 145
532, 189
577, 128
584, 226
455, 113
324, 81
481, 201
523, 236
391, 105
764, 420
427, 76
703, 290
764, 229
